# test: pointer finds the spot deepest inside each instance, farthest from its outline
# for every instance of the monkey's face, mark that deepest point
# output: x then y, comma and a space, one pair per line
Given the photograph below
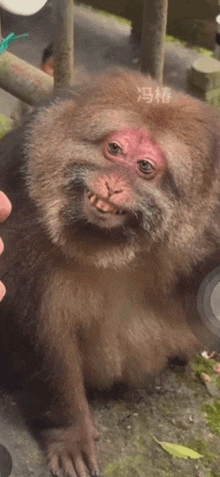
103, 197
111, 176
110, 193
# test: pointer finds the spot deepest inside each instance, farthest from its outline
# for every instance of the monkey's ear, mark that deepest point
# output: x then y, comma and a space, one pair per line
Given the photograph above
207, 119
59, 95
190, 104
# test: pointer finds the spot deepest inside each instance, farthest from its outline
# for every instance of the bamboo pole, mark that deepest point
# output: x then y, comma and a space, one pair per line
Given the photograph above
23, 80
153, 37
64, 50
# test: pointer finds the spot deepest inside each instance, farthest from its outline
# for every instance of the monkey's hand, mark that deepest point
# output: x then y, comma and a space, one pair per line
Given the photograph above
72, 449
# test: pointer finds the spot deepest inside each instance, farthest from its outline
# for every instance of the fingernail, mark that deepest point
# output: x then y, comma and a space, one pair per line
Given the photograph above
4, 198
5, 206
1, 246
2, 290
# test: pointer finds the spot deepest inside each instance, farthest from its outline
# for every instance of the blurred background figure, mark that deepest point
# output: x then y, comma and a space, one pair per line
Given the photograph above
47, 62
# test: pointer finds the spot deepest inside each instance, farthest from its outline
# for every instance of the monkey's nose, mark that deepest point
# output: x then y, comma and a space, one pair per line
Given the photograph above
111, 190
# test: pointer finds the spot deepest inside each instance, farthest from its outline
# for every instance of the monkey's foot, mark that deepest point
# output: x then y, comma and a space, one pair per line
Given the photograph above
70, 451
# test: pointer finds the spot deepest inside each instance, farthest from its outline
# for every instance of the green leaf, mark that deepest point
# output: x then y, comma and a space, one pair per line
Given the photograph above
5, 125
3, 120
179, 451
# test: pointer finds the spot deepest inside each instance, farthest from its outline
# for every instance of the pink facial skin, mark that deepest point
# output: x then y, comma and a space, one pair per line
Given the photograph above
136, 149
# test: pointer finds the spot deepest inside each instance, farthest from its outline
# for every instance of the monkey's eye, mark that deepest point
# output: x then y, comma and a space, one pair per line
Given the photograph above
114, 148
146, 167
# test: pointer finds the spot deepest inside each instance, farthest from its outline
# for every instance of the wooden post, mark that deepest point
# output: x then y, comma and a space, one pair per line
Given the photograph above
64, 58
153, 37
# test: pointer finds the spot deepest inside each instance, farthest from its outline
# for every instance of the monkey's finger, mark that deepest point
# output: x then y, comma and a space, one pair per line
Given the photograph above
68, 468
5, 206
54, 465
91, 459
2, 290
80, 467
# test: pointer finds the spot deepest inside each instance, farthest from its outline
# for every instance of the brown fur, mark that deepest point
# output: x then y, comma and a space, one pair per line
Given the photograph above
99, 309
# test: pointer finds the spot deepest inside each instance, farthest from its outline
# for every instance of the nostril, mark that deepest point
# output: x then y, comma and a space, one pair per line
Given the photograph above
107, 186
111, 192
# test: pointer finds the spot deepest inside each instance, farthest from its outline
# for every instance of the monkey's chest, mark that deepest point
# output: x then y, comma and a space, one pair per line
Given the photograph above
132, 340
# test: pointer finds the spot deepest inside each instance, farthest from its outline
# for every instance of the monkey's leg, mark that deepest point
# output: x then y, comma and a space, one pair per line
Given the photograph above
72, 447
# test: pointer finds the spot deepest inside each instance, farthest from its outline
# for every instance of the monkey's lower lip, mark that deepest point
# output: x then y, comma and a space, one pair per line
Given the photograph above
102, 205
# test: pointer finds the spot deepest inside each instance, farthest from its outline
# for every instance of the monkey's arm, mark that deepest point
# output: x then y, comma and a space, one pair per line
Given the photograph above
24, 270
73, 446
67, 432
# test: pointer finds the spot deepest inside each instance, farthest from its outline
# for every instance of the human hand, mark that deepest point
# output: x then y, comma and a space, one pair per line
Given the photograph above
5, 210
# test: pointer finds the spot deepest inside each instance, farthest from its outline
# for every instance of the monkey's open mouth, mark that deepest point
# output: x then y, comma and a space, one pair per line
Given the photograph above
103, 205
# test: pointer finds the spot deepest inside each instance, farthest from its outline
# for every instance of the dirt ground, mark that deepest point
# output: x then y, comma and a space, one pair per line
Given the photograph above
177, 408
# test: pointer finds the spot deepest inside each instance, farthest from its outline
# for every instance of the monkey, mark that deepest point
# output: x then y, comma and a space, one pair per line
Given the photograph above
114, 223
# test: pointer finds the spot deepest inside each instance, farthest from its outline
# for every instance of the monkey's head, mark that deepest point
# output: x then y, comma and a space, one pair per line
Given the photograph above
121, 169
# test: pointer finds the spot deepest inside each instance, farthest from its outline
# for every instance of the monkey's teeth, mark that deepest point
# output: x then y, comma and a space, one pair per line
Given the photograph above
102, 205
89, 194
93, 199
